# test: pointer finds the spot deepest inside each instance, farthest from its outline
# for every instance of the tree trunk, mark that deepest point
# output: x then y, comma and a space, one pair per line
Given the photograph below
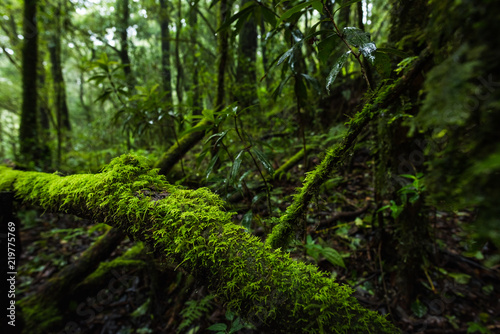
246, 77
123, 24
165, 51
28, 134
196, 102
62, 113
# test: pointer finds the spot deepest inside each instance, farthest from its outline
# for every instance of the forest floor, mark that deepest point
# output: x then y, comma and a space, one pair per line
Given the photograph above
456, 290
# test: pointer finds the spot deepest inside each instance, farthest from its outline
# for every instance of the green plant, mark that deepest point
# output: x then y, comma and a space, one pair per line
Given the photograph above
315, 250
408, 193
194, 310
235, 325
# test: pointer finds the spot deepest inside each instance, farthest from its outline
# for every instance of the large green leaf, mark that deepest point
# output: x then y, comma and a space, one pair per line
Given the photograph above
268, 15
335, 70
325, 47
361, 40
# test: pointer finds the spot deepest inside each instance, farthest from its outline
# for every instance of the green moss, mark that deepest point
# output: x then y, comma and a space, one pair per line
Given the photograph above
127, 260
191, 228
45, 312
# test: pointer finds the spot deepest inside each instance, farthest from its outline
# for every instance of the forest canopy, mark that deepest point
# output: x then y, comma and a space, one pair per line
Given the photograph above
352, 145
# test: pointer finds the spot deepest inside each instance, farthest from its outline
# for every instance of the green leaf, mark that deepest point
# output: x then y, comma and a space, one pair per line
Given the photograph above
229, 315
246, 221
236, 165
361, 40
218, 327
268, 15
318, 5
347, 4
297, 9
460, 278
335, 70
312, 81
211, 165
382, 63
474, 327
395, 52
325, 48
332, 256
289, 53
209, 114
418, 308
104, 96
262, 158
242, 14
99, 78
196, 128
236, 325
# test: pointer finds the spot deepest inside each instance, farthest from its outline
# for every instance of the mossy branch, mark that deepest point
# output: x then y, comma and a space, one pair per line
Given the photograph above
289, 225
191, 229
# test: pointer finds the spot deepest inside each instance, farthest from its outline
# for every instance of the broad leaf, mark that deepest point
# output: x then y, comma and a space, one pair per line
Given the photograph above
335, 70
269, 16
361, 40
333, 257
325, 47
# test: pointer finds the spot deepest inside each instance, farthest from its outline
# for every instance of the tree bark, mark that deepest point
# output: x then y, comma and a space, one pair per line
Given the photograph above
28, 134
165, 51
246, 77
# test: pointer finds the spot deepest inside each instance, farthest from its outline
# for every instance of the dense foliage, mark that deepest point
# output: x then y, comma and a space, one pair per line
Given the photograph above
298, 114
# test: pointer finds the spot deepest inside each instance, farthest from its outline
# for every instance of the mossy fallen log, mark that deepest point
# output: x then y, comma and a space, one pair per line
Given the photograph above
192, 229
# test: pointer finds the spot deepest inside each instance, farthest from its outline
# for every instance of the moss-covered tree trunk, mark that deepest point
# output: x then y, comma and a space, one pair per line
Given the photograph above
191, 229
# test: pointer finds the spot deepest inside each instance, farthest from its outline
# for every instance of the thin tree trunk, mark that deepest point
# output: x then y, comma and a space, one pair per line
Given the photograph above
165, 51
246, 78
178, 65
28, 134
123, 24
195, 89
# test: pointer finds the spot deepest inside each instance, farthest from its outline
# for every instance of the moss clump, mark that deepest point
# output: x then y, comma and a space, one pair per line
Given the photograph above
191, 228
